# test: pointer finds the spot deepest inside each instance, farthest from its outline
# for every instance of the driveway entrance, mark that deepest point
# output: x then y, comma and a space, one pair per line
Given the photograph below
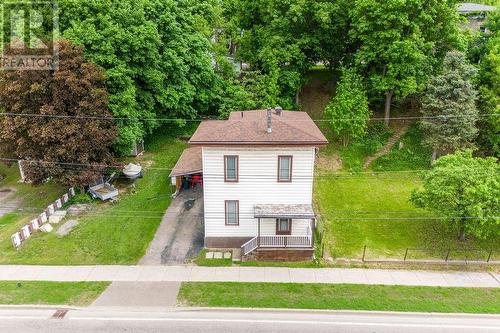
180, 235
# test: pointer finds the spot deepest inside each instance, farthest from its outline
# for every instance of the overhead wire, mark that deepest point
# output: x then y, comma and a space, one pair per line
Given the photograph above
147, 119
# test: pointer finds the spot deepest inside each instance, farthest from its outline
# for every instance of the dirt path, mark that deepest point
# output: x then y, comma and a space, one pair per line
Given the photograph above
399, 132
315, 96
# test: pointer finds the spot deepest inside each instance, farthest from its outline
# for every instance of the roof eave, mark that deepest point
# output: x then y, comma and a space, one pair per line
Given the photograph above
258, 143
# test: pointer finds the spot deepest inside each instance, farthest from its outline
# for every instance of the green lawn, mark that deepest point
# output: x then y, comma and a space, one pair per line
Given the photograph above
50, 293
413, 156
373, 210
340, 297
201, 260
354, 154
111, 234
31, 200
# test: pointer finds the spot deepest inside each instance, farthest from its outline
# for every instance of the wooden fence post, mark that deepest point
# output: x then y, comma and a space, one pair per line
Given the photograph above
364, 253
21, 171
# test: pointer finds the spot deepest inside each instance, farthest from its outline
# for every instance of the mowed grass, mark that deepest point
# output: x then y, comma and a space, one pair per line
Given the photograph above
50, 293
201, 260
25, 200
111, 234
374, 210
340, 297
27, 194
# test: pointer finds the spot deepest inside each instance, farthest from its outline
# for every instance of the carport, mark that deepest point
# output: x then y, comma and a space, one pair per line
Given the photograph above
188, 170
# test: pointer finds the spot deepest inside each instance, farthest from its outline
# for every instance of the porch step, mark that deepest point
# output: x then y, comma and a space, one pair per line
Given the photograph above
237, 254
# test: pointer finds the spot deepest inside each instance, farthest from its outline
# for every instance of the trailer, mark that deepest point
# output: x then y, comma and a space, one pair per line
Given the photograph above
103, 191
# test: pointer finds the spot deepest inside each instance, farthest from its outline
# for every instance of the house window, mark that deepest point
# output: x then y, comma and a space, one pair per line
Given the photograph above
284, 168
232, 212
283, 226
231, 168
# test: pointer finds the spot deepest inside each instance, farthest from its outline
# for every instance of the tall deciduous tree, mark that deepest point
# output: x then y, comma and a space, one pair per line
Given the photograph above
465, 191
348, 111
401, 42
449, 107
282, 39
73, 150
489, 86
156, 57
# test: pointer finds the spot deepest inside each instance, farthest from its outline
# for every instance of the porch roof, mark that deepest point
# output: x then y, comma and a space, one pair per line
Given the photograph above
284, 211
189, 163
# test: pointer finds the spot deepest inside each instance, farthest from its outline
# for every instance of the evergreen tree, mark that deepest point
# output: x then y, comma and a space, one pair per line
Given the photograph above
449, 107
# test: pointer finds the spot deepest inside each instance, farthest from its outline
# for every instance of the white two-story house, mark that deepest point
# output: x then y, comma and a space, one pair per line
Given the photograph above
258, 171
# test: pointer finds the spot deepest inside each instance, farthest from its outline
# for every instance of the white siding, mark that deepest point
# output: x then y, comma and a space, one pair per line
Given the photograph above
299, 227
257, 184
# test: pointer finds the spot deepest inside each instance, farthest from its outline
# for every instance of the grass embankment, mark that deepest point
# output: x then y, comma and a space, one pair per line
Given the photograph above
111, 234
373, 209
414, 155
50, 293
340, 297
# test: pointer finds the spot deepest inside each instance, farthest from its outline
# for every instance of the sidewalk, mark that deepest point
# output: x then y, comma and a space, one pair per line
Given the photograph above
249, 274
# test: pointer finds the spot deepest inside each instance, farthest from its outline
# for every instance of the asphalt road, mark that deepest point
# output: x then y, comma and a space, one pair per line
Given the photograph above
111, 320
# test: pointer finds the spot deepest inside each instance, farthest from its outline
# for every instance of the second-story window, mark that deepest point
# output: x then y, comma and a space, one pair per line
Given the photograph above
231, 168
285, 168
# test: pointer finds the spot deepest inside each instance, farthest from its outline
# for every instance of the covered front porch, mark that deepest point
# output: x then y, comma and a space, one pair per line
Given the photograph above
282, 226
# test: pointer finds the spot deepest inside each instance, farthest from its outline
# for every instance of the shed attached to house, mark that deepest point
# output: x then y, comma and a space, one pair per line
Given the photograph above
189, 164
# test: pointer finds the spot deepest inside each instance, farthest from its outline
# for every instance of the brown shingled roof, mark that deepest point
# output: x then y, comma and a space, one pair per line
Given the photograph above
189, 163
250, 128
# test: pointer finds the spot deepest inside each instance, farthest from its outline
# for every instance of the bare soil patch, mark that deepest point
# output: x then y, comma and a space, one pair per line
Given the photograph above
329, 163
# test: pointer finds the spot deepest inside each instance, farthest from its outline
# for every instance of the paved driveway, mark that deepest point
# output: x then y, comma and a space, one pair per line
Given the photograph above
7, 204
180, 235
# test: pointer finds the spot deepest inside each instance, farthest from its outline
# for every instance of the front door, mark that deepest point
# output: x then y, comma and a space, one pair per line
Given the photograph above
283, 226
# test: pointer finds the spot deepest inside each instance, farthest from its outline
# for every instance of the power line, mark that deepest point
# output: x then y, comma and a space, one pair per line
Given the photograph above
220, 175
222, 216
251, 215
146, 119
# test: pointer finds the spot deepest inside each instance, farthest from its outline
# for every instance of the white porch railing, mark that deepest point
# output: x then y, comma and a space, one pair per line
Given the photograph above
249, 246
278, 241
285, 241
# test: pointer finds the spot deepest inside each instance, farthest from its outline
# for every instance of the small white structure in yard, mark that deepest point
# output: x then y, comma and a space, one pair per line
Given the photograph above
57, 217
35, 224
258, 171
26, 232
103, 190
39, 223
16, 239
475, 14
132, 171
21, 171
50, 209
46, 228
137, 149
43, 218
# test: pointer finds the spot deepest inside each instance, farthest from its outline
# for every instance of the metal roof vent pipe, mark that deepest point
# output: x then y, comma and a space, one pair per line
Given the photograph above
269, 120
279, 111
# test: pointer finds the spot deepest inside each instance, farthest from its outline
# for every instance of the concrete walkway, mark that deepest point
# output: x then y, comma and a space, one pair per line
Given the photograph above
139, 295
249, 274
